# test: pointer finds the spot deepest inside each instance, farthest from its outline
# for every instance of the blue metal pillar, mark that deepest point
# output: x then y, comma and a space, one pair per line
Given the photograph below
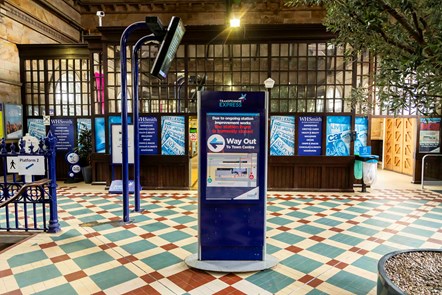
124, 127
54, 226
135, 116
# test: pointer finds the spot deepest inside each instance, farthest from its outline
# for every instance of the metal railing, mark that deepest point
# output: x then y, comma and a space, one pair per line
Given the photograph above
423, 169
25, 203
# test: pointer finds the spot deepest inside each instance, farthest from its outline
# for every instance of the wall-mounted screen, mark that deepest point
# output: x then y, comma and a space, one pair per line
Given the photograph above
168, 48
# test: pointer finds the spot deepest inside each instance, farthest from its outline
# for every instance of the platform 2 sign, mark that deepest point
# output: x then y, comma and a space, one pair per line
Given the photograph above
233, 169
26, 165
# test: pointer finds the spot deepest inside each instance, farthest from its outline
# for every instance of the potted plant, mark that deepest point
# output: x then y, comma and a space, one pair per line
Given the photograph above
413, 271
84, 150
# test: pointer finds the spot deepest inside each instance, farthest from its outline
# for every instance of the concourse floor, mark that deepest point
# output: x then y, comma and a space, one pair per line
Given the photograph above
326, 243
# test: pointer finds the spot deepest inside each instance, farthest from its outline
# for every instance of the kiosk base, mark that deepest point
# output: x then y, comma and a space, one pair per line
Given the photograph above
231, 265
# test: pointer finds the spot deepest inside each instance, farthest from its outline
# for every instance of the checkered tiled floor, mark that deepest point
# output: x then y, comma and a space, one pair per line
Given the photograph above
326, 243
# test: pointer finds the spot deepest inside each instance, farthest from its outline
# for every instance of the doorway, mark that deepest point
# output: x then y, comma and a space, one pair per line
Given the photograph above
193, 151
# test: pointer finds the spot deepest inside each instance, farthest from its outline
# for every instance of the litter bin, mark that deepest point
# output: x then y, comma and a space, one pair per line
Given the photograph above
369, 169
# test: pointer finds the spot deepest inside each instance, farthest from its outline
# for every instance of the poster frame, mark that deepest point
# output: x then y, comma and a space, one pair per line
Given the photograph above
16, 119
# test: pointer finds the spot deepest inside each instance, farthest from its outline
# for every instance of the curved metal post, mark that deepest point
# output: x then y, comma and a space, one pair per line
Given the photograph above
124, 128
135, 116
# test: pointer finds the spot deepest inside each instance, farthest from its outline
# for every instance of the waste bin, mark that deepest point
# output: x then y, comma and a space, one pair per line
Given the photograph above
358, 169
369, 169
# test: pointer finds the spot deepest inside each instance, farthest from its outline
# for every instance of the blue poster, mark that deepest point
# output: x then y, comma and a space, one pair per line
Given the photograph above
13, 121
282, 135
310, 136
63, 130
172, 135
36, 128
100, 135
83, 123
148, 131
338, 135
361, 128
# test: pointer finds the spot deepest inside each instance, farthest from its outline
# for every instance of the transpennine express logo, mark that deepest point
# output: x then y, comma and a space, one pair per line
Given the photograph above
233, 103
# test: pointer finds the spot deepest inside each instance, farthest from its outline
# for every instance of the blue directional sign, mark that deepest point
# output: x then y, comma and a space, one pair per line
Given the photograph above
232, 128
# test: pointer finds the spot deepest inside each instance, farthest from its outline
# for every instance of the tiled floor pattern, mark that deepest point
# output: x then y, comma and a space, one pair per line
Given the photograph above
326, 244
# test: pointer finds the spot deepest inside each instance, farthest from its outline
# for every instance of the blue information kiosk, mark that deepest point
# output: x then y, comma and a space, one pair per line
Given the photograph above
232, 182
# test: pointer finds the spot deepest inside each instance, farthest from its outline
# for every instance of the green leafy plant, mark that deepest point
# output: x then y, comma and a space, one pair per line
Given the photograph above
407, 37
84, 146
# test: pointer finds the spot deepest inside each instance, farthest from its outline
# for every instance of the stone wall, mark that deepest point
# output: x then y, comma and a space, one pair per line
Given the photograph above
31, 22
199, 13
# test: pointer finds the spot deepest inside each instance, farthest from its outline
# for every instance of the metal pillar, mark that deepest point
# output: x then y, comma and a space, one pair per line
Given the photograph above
135, 115
124, 128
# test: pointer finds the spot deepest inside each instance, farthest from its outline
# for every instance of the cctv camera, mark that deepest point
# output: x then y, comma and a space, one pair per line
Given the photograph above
100, 13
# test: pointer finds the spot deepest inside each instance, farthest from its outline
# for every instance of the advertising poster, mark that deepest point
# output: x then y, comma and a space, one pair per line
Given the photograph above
63, 130
429, 135
310, 136
36, 128
361, 128
148, 132
338, 135
13, 121
282, 135
172, 135
100, 136
83, 124
2, 129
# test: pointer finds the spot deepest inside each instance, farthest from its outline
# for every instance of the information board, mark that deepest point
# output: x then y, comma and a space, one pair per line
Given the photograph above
310, 135
233, 145
232, 159
63, 130
148, 135
282, 136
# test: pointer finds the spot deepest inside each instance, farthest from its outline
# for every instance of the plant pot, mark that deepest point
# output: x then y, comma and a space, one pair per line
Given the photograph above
87, 174
385, 285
